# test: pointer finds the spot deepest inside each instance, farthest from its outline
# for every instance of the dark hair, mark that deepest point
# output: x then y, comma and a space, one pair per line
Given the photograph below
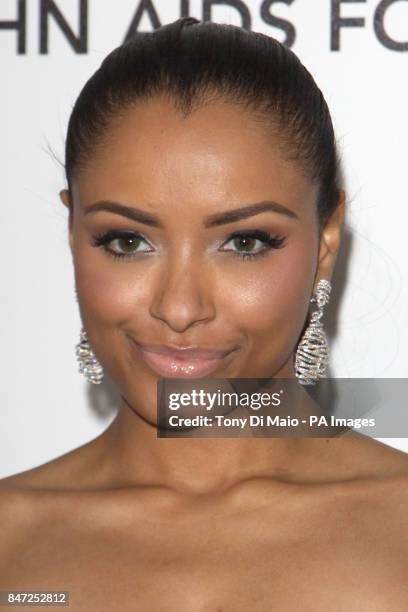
202, 62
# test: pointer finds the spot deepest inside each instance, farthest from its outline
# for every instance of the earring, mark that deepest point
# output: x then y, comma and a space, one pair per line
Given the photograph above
89, 366
313, 350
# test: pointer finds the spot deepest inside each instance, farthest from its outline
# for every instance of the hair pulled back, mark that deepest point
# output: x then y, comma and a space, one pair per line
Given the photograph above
194, 62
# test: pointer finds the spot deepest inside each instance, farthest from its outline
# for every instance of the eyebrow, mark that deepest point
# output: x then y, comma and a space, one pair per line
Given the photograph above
229, 216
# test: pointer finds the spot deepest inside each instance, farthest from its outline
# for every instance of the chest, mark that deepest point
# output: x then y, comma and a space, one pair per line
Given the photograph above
209, 564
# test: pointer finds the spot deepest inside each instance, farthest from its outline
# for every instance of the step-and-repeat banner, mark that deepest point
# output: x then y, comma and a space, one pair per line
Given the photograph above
357, 50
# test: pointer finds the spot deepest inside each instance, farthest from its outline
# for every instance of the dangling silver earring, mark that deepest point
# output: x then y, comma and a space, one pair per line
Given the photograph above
89, 366
313, 350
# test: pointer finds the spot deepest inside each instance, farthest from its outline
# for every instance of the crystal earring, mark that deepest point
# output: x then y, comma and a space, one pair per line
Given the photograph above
313, 350
89, 366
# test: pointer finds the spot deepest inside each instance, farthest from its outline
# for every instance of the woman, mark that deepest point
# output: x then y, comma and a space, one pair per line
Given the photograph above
204, 209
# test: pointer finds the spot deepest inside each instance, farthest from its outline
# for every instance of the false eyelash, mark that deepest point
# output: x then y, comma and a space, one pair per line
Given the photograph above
101, 240
271, 241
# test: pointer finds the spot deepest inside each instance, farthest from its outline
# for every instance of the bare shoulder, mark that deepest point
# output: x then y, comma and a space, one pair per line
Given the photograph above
362, 457
18, 517
369, 479
78, 469
385, 459
28, 498
390, 478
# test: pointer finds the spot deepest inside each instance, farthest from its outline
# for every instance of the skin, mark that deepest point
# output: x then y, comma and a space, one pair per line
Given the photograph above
131, 521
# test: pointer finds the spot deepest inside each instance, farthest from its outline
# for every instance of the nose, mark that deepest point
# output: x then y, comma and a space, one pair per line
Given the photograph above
183, 295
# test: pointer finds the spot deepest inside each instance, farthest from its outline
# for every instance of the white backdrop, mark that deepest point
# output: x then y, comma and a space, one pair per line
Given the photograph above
46, 406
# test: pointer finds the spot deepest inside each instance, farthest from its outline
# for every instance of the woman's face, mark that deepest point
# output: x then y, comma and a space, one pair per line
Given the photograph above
217, 248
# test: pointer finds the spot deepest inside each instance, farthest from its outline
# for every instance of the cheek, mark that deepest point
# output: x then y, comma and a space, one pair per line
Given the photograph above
269, 300
108, 289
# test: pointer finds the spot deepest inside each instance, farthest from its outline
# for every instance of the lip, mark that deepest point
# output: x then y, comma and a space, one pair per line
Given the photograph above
181, 361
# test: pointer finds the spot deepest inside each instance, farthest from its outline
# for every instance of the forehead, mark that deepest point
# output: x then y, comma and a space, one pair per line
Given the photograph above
219, 154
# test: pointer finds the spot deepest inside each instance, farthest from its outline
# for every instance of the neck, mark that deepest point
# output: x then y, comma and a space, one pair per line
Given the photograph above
197, 465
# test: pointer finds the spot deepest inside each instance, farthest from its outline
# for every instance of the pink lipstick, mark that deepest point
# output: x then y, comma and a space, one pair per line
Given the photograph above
176, 362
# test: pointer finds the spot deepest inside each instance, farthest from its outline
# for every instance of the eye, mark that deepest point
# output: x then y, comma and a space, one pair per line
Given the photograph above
126, 244
253, 243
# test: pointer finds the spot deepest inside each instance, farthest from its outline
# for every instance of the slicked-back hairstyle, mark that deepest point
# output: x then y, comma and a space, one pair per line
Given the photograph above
196, 62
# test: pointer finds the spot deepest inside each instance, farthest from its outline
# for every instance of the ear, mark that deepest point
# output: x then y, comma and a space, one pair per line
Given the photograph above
65, 199
330, 240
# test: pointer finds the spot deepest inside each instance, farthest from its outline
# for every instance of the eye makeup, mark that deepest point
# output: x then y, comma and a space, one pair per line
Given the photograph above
242, 240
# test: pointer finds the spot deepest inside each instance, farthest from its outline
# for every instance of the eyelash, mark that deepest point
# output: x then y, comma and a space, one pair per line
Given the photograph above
270, 241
